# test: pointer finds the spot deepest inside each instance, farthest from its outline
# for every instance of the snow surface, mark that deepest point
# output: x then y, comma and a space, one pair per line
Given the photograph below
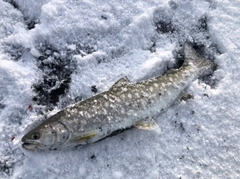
94, 43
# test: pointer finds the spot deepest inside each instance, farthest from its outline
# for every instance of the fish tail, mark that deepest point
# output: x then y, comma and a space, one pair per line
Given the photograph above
203, 66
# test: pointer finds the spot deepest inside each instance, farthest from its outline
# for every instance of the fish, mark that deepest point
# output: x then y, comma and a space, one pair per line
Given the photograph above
123, 106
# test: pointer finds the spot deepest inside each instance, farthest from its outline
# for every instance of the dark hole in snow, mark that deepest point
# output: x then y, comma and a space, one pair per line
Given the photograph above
93, 156
182, 157
78, 98
152, 48
2, 106
202, 23
163, 20
209, 80
182, 127
6, 167
205, 95
57, 67
94, 89
56, 79
31, 23
103, 17
199, 48
164, 26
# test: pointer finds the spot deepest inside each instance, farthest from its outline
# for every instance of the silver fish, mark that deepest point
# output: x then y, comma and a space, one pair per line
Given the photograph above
124, 105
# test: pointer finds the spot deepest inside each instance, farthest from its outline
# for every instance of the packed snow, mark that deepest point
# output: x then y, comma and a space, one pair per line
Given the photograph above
54, 53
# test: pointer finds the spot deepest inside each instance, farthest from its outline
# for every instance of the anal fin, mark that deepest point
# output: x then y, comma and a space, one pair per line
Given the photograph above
147, 124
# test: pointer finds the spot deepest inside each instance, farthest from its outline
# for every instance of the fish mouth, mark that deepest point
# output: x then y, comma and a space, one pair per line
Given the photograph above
29, 146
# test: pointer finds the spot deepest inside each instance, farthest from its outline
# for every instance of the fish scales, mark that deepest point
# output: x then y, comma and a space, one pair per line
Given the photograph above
124, 105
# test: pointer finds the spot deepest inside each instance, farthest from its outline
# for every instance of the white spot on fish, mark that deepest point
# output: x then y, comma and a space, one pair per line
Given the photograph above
112, 106
83, 121
124, 89
143, 102
129, 96
80, 113
145, 94
156, 85
106, 104
74, 110
137, 95
122, 110
112, 100
75, 127
151, 89
89, 115
104, 112
123, 96
130, 112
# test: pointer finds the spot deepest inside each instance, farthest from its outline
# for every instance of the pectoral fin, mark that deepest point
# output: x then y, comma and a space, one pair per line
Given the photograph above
147, 124
83, 138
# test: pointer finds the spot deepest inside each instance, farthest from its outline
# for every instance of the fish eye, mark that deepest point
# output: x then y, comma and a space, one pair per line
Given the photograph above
35, 135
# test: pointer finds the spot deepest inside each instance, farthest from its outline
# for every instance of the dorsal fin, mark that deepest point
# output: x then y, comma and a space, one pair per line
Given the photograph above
122, 81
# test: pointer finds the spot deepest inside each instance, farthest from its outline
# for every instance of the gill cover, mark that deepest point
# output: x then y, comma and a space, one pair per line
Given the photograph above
61, 132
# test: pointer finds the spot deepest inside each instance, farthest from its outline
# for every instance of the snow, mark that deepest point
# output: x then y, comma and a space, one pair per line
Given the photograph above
52, 53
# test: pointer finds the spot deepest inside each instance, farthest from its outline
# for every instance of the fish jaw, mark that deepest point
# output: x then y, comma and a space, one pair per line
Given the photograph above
31, 146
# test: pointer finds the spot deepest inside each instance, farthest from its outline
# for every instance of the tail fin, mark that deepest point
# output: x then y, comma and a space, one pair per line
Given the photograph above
203, 66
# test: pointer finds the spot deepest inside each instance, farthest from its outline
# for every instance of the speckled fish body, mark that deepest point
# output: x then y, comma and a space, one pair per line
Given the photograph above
124, 105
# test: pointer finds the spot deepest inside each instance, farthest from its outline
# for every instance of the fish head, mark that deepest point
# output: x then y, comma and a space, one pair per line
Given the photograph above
45, 136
